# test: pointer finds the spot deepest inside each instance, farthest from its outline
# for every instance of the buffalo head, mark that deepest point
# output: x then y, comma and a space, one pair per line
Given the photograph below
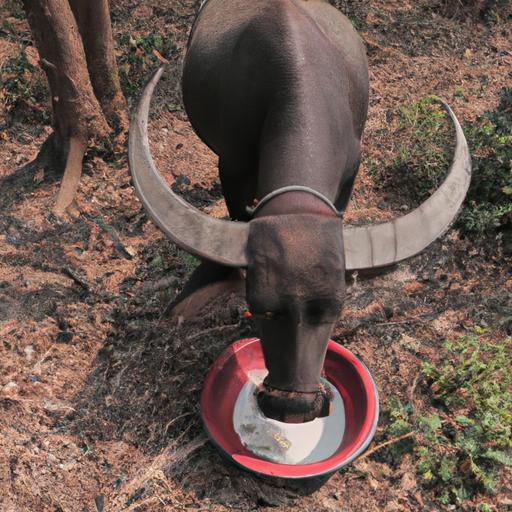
295, 290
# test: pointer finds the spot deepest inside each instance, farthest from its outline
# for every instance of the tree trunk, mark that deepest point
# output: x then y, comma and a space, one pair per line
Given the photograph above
69, 186
77, 112
74, 40
93, 18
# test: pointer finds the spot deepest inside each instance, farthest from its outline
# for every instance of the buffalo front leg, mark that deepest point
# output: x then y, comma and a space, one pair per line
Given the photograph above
208, 281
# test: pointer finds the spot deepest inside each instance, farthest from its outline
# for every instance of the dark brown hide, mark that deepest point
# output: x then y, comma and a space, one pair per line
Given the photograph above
295, 289
279, 90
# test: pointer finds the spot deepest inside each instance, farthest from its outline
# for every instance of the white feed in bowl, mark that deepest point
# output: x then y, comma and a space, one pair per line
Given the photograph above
287, 443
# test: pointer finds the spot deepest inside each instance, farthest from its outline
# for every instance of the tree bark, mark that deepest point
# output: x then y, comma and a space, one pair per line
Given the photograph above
69, 186
95, 26
77, 112
75, 44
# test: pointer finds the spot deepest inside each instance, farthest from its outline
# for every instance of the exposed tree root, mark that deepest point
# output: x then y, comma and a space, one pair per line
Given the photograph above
387, 443
72, 173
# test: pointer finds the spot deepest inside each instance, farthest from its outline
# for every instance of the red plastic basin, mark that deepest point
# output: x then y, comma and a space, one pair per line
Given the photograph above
342, 368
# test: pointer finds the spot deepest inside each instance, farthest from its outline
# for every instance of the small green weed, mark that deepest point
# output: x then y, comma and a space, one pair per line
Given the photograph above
489, 202
463, 446
473, 389
190, 262
141, 55
164, 259
421, 157
23, 91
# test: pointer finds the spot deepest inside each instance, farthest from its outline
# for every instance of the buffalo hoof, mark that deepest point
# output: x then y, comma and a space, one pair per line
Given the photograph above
294, 407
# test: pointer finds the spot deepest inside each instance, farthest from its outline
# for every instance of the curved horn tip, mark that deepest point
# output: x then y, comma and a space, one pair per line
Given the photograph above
221, 241
388, 243
157, 74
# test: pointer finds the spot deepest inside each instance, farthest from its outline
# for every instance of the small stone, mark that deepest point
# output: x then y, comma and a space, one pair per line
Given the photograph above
408, 482
373, 483
29, 352
56, 406
10, 388
99, 502
132, 251
68, 465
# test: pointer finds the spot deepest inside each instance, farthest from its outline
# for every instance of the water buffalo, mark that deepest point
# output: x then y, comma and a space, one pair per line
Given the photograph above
278, 89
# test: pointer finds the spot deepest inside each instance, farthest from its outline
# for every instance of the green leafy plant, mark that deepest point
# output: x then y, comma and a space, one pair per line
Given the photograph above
489, 201
472, 387
397, 420
23, 89
462, 447
420, 157
139, 56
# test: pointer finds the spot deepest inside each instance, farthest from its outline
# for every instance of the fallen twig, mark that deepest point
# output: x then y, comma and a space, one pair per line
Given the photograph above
220, 328
162, 463
176, 441
401, 322
77, 278
114, 236
139, 504
387, 443
174, 420
185, 452
413, 387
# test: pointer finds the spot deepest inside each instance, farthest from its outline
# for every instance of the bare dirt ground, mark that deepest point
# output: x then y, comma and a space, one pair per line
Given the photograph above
99, 392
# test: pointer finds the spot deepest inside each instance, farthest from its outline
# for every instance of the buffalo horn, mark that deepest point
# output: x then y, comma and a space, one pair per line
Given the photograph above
225, 242
217, 240
384, 244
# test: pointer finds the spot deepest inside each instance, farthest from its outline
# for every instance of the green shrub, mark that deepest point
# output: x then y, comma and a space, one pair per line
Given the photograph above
421, 156
139, 57
464, 444
23, 91
472, 387
489, 201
